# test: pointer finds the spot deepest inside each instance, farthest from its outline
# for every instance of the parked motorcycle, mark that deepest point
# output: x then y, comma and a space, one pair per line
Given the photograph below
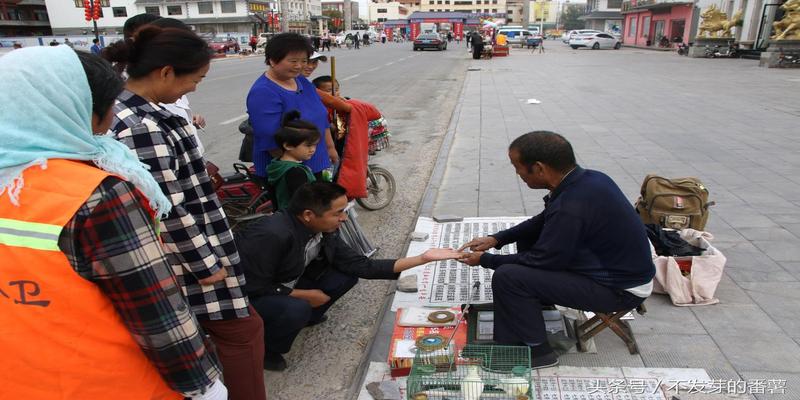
788, 59
683, 49
730, 51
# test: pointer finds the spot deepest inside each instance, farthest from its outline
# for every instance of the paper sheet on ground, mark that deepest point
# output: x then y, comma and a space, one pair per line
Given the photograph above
449, 283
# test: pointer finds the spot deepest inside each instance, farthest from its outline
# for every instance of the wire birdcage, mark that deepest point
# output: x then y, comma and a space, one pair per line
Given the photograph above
471, 372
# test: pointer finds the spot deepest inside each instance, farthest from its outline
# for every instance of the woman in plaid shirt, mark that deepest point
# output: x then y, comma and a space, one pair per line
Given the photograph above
163, 64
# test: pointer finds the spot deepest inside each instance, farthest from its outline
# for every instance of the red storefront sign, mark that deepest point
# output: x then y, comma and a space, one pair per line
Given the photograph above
458, 30
389, 33
414, 30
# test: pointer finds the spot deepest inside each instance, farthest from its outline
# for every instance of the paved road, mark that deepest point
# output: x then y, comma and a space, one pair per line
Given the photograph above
417, 92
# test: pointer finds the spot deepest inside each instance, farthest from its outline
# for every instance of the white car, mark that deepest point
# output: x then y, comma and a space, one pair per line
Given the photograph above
595, 41
571, 34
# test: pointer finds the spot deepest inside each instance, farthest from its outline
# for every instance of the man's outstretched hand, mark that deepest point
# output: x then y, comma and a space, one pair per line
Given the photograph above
480, 244
442, 254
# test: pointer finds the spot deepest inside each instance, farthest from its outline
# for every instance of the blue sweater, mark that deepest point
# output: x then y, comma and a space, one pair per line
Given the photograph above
267, 102
587, 227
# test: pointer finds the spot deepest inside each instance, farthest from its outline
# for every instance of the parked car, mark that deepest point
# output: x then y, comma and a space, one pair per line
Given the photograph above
569, 35
516, 35
595, 41
429, 41
224, 45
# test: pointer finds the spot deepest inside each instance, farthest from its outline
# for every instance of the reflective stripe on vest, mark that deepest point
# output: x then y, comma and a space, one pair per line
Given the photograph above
32, 235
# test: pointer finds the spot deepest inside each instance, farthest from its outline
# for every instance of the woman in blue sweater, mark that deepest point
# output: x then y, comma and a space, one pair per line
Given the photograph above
281, 89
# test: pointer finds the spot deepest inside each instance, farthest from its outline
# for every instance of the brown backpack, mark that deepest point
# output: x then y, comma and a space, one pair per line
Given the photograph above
674, 203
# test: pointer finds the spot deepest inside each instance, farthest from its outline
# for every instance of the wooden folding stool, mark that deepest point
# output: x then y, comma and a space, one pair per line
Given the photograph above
588, 329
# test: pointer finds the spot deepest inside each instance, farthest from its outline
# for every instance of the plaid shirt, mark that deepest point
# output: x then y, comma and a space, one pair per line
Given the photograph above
111, 242
196, 235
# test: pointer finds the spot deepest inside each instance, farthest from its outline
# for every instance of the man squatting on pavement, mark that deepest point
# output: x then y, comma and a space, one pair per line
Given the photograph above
587, 249
297, 266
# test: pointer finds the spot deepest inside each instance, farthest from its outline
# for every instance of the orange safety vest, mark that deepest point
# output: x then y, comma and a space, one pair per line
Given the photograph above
60, 337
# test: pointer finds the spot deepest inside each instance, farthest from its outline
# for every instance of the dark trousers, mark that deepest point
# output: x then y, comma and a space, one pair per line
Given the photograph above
285, 316
240, 349
326, 45
477, 49
520, 291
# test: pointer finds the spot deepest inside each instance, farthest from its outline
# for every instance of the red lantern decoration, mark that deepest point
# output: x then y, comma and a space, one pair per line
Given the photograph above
97, 10
87, 10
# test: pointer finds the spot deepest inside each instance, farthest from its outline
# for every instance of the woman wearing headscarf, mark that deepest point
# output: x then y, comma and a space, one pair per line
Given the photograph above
281, 89
89, 308
164, 64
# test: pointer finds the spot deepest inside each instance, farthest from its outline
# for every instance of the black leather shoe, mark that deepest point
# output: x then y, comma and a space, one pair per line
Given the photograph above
274, 362
317, 322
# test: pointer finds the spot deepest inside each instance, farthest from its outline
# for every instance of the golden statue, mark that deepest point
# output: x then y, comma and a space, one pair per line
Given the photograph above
716, 24
788, 28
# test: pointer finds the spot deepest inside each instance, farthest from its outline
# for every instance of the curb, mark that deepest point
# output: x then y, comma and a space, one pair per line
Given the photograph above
386, 316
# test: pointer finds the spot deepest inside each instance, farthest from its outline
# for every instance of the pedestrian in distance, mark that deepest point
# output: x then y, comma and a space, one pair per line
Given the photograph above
326, 41
96, 49
164, 64
357, 41
69, 43
587, 249
54, 42
253, 43
477, 45
131, 333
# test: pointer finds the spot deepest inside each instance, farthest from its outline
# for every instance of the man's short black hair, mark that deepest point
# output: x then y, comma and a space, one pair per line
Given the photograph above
318, 81
546, 147
315, 196
282, 44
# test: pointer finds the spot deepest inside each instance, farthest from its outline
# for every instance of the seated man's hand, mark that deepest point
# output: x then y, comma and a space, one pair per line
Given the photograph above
480, 244
315, 297
442, 254
473, 258
218, 276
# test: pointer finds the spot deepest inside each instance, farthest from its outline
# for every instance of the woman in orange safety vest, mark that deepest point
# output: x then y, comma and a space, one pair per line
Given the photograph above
89, 308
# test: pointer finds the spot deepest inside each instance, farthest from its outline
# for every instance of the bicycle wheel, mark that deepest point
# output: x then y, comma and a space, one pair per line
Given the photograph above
380, 189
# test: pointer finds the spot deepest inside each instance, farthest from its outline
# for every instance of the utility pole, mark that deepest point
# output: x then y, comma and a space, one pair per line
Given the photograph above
95, 3
348, 15
284, 15
526, 13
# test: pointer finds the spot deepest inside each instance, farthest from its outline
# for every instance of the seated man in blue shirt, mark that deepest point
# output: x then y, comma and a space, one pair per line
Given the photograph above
297, 266
587, 249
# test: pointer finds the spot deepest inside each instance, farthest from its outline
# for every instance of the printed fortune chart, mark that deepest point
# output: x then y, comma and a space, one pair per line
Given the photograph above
451, 283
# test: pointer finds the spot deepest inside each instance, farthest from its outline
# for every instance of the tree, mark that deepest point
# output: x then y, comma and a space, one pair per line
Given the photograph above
569, 18
336, 22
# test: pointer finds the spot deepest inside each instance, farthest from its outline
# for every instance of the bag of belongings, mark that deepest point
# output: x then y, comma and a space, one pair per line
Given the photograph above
689, 280
678, 203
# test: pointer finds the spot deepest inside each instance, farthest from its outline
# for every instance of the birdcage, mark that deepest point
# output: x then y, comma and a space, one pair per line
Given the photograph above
471, 372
